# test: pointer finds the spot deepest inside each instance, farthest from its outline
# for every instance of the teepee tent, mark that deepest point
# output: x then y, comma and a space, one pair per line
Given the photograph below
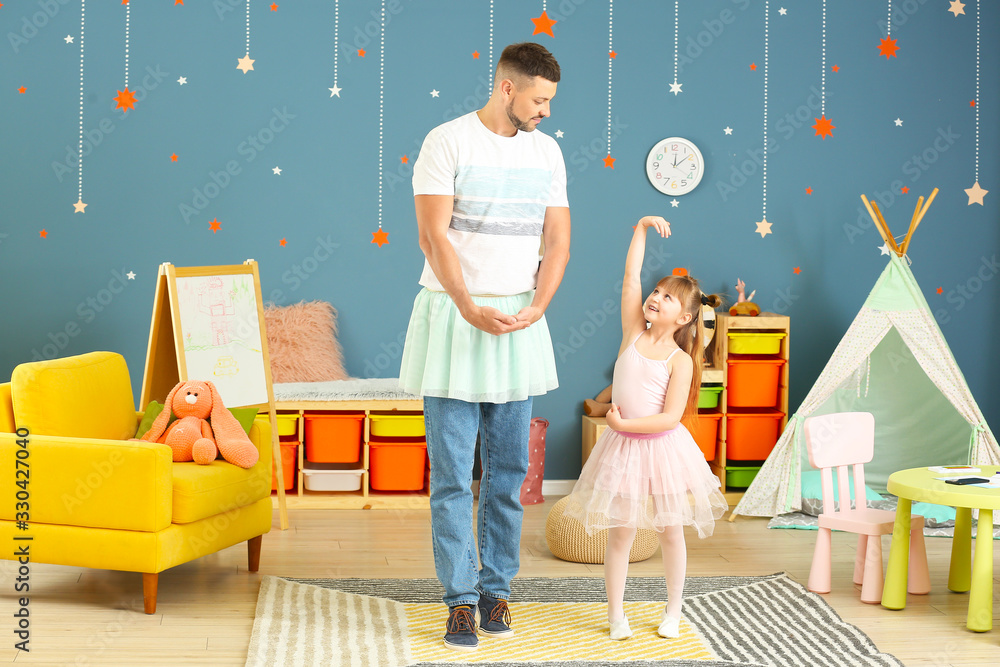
893, 362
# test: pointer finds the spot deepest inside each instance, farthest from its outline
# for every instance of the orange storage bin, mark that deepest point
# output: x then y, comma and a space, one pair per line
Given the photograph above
753, 382
752, 436
705, 432
289, 464
334, 438
397, 465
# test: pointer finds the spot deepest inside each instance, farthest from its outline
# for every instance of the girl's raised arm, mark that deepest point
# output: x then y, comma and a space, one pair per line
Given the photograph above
633, 321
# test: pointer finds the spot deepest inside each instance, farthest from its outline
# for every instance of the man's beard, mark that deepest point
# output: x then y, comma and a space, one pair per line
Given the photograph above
518, 124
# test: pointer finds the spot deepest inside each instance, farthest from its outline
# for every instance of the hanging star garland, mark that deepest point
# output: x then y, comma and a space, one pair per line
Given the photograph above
380, 237
976, 192
79, 206
763, 226
824, 128
887, 46
543, 24
609, 162
245, 64
675, 87
335, 91
126, 98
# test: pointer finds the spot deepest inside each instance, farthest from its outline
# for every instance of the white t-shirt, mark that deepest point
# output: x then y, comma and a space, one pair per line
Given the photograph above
502, 186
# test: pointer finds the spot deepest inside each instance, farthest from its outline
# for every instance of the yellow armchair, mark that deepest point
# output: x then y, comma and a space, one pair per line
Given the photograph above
90, 497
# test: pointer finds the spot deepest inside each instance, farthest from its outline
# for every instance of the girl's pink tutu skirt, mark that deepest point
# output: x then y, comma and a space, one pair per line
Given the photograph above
647, 480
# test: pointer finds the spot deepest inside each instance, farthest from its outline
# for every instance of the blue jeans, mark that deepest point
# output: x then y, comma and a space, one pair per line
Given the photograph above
451, 445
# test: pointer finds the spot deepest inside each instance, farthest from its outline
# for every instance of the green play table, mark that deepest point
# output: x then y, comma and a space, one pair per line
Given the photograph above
919, 484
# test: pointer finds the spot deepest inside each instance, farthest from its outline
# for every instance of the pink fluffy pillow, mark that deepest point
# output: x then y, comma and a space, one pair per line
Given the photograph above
302, 342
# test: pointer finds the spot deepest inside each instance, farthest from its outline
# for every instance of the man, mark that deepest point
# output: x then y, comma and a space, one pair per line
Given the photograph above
487, 188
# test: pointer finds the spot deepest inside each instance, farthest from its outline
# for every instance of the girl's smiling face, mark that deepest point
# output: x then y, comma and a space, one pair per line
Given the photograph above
661, 306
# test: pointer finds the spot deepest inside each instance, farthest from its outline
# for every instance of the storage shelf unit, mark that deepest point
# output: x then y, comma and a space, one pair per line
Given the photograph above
718, 372
365, 498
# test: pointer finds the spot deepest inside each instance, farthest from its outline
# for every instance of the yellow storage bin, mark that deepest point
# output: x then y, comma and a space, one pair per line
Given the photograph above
755, 342
288, 424
397, 426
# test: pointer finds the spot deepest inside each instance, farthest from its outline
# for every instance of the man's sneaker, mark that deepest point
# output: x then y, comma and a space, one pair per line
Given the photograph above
461, 629
495, 615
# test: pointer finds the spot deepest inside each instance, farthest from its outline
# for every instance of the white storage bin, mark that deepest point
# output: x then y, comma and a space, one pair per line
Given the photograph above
322, 477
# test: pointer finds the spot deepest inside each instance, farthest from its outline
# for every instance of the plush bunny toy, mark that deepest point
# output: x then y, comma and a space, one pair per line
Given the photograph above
192, 437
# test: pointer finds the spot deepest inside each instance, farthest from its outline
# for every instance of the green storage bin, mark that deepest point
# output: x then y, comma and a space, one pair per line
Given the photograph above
708, 397
755, 342
740, 476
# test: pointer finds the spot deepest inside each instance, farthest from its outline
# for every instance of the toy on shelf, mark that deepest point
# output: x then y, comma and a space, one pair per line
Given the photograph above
744, 305
204, 427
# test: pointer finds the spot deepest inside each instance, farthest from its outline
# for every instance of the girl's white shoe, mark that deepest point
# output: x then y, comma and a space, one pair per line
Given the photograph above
670, 626
620, 629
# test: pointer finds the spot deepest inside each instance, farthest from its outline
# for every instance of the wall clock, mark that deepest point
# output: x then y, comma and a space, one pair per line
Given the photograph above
675, 166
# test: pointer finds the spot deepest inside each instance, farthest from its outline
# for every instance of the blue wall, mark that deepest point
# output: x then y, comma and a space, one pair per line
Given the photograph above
69, 293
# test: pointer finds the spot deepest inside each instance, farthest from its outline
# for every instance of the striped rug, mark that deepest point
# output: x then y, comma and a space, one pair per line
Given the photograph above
728, 621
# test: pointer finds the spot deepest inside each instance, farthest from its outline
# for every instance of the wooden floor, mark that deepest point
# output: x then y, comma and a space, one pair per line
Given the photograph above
206, 608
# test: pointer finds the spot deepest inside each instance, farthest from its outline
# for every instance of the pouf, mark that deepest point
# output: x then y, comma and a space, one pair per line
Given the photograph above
568, 540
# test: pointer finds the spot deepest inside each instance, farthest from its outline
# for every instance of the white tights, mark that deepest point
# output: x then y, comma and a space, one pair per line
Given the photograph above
616, 568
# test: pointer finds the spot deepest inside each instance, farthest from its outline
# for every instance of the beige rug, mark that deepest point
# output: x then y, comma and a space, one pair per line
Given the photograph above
559, 622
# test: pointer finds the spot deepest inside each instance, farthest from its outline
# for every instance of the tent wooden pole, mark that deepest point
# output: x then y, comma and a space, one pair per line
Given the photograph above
909, 232
927, 205
885, 226
878, 225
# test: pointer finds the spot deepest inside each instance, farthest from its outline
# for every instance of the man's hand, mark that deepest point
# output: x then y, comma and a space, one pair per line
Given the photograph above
492, 321
529, 315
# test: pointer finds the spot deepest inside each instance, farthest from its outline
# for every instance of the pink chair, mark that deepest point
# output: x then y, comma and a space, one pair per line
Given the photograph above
847, 439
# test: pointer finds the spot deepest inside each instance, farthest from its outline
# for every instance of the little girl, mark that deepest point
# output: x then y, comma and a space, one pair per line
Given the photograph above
646, 470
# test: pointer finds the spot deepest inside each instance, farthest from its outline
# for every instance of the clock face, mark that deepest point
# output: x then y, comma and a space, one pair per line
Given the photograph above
675, 166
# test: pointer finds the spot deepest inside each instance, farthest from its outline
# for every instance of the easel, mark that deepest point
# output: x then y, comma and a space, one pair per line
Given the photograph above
883, 227
167, 363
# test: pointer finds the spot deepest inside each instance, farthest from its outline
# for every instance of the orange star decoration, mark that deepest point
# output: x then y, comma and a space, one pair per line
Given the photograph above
836, 68
380, 238
475, 54
797, 270
282, 243
824, 127
173, 158
609, 161
940, 290
544, 24
972, 103
905, 189
404, 160
215, 225
43, 234
887, 47
613, 54
809, 191
178, 2
274, 6
125, 100
753, 66
361, 52
22, 90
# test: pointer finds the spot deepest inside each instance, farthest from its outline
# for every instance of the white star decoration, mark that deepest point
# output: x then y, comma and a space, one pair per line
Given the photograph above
335, 90
79, 206
559, 134
898, 122
957, 7
676, 87
783, 11
69, 39
728, 130
763, 227
131, 275
674, 203
884, 248
277, 170
976, 194
182, 80
435, 93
